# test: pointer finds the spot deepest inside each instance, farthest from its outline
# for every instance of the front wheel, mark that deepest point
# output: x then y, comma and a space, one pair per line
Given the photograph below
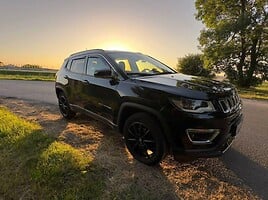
64, 107
144, 139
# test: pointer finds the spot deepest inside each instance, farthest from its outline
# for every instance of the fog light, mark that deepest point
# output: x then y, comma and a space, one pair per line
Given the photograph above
202, 136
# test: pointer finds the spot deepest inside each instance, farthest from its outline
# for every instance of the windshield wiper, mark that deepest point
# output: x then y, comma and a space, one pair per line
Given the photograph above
139, 73
166, 73
148, 74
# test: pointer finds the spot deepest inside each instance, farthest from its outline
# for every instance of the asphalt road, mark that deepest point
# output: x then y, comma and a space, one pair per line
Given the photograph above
30, 90
248, 157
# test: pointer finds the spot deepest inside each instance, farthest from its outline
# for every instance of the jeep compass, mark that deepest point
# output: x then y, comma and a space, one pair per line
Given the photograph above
158, 110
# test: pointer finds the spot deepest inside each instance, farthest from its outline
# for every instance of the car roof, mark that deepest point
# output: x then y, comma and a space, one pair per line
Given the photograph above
98, 51
87, 51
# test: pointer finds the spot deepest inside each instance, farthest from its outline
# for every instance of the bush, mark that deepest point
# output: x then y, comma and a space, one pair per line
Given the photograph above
192, 64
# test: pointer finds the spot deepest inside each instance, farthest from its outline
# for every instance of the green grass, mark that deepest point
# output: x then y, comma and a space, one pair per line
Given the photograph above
259, 92
27, 75
35, 165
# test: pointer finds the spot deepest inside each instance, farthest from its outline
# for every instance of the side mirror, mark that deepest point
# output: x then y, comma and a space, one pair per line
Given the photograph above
103, 73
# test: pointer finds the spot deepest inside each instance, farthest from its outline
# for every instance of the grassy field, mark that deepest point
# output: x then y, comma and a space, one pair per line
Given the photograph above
27, 75
35, 165
259, 92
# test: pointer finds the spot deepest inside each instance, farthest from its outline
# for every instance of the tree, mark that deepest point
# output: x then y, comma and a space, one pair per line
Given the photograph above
29, 66
235, 39
193, 64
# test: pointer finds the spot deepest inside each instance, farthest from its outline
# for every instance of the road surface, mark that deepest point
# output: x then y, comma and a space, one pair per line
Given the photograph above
248, 157
42, 91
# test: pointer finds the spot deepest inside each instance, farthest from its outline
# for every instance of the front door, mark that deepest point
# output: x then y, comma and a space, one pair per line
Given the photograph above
101, 96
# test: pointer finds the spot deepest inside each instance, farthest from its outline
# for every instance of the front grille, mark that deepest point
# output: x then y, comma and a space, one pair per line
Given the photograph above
228, 104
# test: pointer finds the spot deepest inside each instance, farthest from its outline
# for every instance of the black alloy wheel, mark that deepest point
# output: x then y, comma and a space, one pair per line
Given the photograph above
144, 139
65, 107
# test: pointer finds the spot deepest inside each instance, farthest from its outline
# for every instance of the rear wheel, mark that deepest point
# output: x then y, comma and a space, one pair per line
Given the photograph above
144, 139
64, 106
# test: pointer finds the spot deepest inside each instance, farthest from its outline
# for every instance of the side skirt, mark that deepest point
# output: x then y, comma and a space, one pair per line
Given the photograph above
92, 114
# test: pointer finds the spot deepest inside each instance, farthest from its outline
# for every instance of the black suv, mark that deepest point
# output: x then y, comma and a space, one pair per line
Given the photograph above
157, 110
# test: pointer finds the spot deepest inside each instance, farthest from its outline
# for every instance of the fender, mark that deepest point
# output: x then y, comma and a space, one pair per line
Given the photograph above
149, 110
58, 87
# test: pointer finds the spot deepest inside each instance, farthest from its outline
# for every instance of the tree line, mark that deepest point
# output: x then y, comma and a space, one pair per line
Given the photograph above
26, 66
234, 40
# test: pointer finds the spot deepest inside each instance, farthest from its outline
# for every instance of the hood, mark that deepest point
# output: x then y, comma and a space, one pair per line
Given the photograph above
190, 82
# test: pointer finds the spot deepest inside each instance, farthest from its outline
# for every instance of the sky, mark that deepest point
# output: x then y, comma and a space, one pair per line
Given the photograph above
45, 32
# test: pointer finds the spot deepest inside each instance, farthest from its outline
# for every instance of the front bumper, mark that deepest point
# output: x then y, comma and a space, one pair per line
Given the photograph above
183, 148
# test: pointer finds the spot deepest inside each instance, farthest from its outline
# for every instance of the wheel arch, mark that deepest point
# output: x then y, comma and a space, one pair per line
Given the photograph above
127, 109
59, 90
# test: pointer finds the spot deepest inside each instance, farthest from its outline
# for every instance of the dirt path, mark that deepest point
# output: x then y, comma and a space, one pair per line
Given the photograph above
126, 178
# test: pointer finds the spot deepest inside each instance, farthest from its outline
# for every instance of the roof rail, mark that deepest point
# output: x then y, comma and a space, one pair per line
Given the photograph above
87, 51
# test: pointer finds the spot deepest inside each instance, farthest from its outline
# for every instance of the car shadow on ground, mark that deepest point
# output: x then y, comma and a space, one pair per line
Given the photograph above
253, 174
125, 177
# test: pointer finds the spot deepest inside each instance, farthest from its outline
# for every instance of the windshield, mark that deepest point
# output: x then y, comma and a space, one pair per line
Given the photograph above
139, 64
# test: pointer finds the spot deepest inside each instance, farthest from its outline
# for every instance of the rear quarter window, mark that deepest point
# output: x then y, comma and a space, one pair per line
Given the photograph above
64, 64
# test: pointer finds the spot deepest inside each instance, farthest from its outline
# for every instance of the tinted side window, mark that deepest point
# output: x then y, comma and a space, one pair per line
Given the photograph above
78, 65
96, 63
69, 64
64, 63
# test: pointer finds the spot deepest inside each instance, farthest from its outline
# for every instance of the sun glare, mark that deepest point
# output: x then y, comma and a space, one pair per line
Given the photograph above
115, 46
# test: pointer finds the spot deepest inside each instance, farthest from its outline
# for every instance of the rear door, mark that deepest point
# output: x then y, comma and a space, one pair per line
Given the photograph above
101, 94
75, 79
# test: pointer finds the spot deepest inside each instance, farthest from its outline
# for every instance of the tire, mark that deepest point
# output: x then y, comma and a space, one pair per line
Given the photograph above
64, 106
144, 139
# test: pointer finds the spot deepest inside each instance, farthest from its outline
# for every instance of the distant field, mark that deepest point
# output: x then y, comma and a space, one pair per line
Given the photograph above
27, 75
259, 92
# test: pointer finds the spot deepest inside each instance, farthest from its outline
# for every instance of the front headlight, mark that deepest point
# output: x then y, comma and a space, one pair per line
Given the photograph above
193, 105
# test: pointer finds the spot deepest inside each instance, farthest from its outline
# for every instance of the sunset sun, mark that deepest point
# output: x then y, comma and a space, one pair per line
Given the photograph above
115, 46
